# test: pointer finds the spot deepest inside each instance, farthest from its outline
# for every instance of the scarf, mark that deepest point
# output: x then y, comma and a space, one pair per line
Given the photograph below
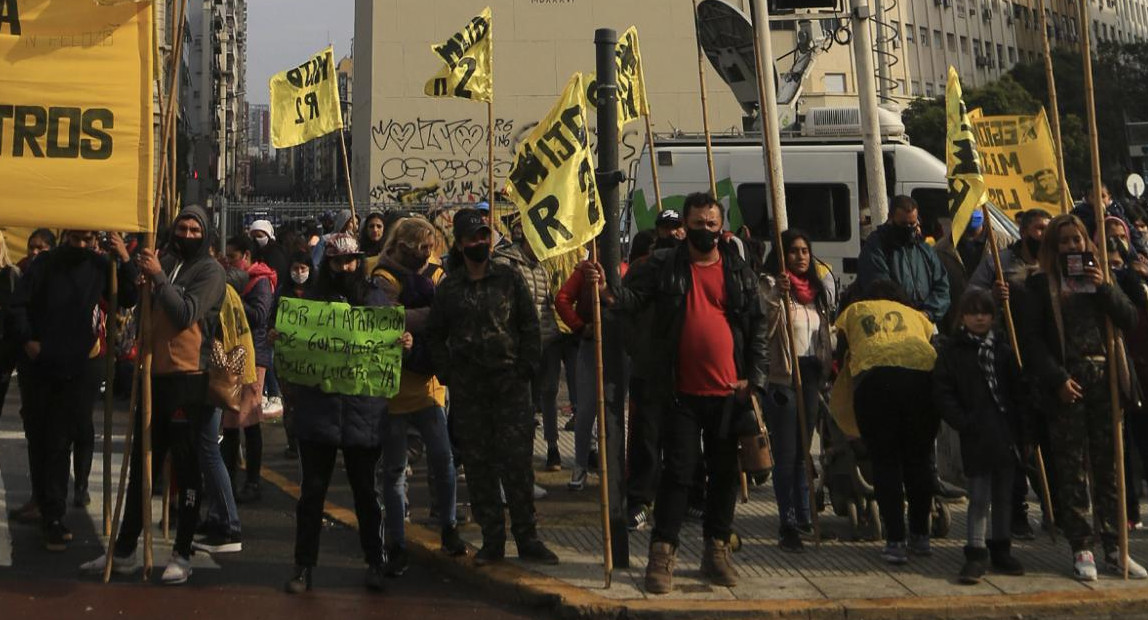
801, 289
986, 358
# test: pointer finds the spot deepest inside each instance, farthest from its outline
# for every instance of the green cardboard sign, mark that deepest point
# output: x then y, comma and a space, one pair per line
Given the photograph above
340, 348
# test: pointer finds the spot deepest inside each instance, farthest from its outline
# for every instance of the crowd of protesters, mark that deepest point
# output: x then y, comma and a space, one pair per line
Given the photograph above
711, 325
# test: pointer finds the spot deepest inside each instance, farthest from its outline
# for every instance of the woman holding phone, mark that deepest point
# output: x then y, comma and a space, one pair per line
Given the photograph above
1071, 367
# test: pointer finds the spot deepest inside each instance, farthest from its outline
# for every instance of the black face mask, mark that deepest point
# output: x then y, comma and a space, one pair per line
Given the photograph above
702, 240
1033, 246
904, 235
345, 282
187, 247
72, 256
477, 253
667, 242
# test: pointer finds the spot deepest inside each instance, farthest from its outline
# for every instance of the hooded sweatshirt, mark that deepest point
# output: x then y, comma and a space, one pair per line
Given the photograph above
186, 302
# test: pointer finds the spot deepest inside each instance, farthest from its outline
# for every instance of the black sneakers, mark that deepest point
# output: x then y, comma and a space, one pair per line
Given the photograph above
300, 581
218, 542
789, 540
56, 536
537, 552
398, 560
553, 459
452, 543
489, 555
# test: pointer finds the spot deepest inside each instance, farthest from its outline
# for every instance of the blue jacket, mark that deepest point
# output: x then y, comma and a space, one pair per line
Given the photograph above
915, 267
336, 419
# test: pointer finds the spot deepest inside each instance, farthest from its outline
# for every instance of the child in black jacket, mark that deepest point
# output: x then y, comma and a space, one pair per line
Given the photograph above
975, 386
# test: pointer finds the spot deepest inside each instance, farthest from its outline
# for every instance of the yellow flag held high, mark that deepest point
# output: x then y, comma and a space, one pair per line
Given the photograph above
632, 101
552, 179
966, 183
76, 115
1019, 161
468, 55
305, 101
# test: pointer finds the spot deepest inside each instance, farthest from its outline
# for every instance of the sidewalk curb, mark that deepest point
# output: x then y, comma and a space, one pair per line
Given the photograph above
511, 583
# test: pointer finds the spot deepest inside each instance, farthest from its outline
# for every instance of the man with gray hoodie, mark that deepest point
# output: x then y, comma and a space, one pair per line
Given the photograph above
187, 292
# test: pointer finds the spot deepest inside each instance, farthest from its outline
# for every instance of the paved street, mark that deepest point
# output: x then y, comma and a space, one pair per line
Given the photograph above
38, 584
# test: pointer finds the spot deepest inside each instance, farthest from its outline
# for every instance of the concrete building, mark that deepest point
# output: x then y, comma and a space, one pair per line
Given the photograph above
259, 131
215, 102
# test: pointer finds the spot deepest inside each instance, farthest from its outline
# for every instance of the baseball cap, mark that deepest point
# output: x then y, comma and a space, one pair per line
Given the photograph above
669, 217
342, 244
483, 206
468, 223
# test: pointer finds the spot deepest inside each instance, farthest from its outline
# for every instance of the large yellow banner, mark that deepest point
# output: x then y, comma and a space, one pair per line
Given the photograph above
1019, 161
966, 183
76, 115
632, 100
552, 181
469, 57
305, 101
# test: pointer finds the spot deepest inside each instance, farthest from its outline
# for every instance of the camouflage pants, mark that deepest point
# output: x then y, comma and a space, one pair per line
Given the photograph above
494, 432
1081, 440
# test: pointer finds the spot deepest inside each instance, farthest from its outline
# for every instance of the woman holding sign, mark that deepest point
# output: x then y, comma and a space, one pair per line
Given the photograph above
327, 422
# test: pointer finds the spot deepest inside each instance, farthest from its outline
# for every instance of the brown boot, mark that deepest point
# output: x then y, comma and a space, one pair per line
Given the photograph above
717, 565
660, 568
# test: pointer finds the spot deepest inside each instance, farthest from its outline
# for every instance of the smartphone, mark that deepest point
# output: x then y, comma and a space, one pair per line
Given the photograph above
1073, 267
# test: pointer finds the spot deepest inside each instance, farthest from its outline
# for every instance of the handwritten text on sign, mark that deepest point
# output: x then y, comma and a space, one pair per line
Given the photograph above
339, 348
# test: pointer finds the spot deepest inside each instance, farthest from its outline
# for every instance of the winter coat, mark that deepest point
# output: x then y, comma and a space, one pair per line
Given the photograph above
664, 282
418, 387
915, 267
258, 303
1046, 357
186, 297
275, 257
57, 303
953, 260
538, 280
337, 419
484, 330
781, 367
1013, 261
961, 394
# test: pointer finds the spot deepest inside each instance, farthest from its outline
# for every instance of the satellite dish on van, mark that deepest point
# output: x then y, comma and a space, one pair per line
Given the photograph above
726, 35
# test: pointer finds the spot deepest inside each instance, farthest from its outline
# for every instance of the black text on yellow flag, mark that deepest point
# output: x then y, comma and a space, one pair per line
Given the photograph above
305, 101
552, 181
468, 57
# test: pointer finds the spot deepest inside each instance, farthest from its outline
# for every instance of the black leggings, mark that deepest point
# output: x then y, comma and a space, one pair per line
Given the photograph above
253, 437
898, 423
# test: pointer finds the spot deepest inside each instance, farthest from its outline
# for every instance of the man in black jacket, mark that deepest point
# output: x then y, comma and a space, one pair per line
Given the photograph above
709, 351
56, 318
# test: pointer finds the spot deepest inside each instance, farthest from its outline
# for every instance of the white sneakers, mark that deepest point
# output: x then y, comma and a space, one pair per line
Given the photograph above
539, 492
1116, 567
272, 407
1084, 566
177, 571
121, 566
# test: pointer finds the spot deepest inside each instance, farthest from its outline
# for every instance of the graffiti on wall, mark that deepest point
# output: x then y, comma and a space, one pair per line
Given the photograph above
444, 161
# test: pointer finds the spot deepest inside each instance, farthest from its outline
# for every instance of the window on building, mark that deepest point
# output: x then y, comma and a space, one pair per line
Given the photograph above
901, 87
916, 88
1000, 56
910, 36
1011, 55
952, 40
929, 90
924, 36
938, 40
834, 82
825, 212
964, 44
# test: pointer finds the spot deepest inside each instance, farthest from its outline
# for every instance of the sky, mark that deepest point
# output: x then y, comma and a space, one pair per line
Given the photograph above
281, 34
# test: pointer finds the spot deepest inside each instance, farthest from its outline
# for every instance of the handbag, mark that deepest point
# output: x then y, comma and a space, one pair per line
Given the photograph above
754, 452
225, 376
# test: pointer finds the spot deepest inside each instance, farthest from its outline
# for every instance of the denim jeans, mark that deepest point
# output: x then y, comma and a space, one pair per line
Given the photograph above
790, 484
545, 388
217, 492
431, 424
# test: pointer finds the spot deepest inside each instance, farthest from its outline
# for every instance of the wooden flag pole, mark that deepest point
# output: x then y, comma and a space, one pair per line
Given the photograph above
653, 162
603, 483
779, 221
705, 101
111, 328
1010, 327
347, 174
133, 410
1110, 331
1054, 108
490, 154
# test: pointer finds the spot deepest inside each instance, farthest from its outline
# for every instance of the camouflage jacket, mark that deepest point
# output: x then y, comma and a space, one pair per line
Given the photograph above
484, 330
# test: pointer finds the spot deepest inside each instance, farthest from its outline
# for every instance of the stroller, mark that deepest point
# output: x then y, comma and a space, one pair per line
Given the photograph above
845, 474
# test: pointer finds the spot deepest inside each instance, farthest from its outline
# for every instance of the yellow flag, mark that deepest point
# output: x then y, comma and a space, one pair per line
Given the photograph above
305, 101
76, 115
469, 72
632, 100
966, 183
552, 179
1019, 161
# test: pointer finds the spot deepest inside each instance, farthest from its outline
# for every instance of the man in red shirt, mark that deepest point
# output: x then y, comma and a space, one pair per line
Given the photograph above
708, 345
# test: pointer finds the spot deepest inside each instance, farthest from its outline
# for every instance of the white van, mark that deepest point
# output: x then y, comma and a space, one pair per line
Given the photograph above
825, 185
